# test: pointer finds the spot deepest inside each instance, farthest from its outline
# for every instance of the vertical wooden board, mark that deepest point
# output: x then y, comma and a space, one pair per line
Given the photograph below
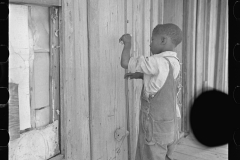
14, 126
192, 48
94, 70
137, 49
212, 42
108, 106
206, 43
98, 120
161, 11
147, 27
41, 79
39, 21
129, 100
74, 71
221, 47
199, 48
138, 27
68, 84
31, 70
188, 56
226, 60
54, 64
154, 14
120, 91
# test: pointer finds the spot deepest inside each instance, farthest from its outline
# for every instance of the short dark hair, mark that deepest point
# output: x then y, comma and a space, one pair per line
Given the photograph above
171, 30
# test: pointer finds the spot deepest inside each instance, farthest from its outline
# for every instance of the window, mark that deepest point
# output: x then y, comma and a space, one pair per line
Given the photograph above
34, 80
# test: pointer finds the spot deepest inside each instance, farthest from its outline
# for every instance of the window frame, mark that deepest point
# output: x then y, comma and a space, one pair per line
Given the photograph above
46, 3
52, 4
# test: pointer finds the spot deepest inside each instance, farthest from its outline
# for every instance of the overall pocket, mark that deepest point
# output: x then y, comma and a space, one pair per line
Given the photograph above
163, 131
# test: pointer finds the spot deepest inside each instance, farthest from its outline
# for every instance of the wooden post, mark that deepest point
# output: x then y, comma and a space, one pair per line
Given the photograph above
55, 61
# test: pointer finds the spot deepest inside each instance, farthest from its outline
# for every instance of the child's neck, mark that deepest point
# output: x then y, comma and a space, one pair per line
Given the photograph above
165, 50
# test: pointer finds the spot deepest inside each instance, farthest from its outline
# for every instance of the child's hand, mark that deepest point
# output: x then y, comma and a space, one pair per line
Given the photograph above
136, 75
126, 38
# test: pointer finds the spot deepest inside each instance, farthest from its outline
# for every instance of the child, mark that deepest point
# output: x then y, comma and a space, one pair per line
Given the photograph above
158, 117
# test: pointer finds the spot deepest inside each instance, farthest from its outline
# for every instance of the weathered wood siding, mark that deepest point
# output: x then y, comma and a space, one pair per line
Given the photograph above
107, 105
205, 46
108, 101
74, 82
96, 98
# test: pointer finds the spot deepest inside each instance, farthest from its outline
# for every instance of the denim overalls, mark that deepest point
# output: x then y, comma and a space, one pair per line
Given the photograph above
158, 122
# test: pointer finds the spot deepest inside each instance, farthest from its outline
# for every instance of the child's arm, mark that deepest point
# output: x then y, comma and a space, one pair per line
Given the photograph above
126, 39
136, 75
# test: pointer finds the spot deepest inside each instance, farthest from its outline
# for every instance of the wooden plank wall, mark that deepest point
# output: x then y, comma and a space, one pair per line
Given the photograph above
92, 86
205, 49
93, 54
75, 133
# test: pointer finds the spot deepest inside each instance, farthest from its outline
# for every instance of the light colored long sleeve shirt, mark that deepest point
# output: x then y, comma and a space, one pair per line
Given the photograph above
155, 70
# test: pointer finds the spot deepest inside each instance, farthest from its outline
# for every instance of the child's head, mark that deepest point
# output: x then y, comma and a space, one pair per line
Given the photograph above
165, 37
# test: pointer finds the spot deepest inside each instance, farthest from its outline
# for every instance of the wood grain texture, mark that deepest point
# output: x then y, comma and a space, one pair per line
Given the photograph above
108, 103
189, 30
31, 70
221, 47
205, 45
160, 11
154, 14
212, 42
54, 64
131, 120
226, 49
135, 90
199, 47
13, 104
147, 27
74, 81
190, 149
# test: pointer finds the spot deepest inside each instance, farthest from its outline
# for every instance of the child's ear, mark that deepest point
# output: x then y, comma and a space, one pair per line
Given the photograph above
163, 40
